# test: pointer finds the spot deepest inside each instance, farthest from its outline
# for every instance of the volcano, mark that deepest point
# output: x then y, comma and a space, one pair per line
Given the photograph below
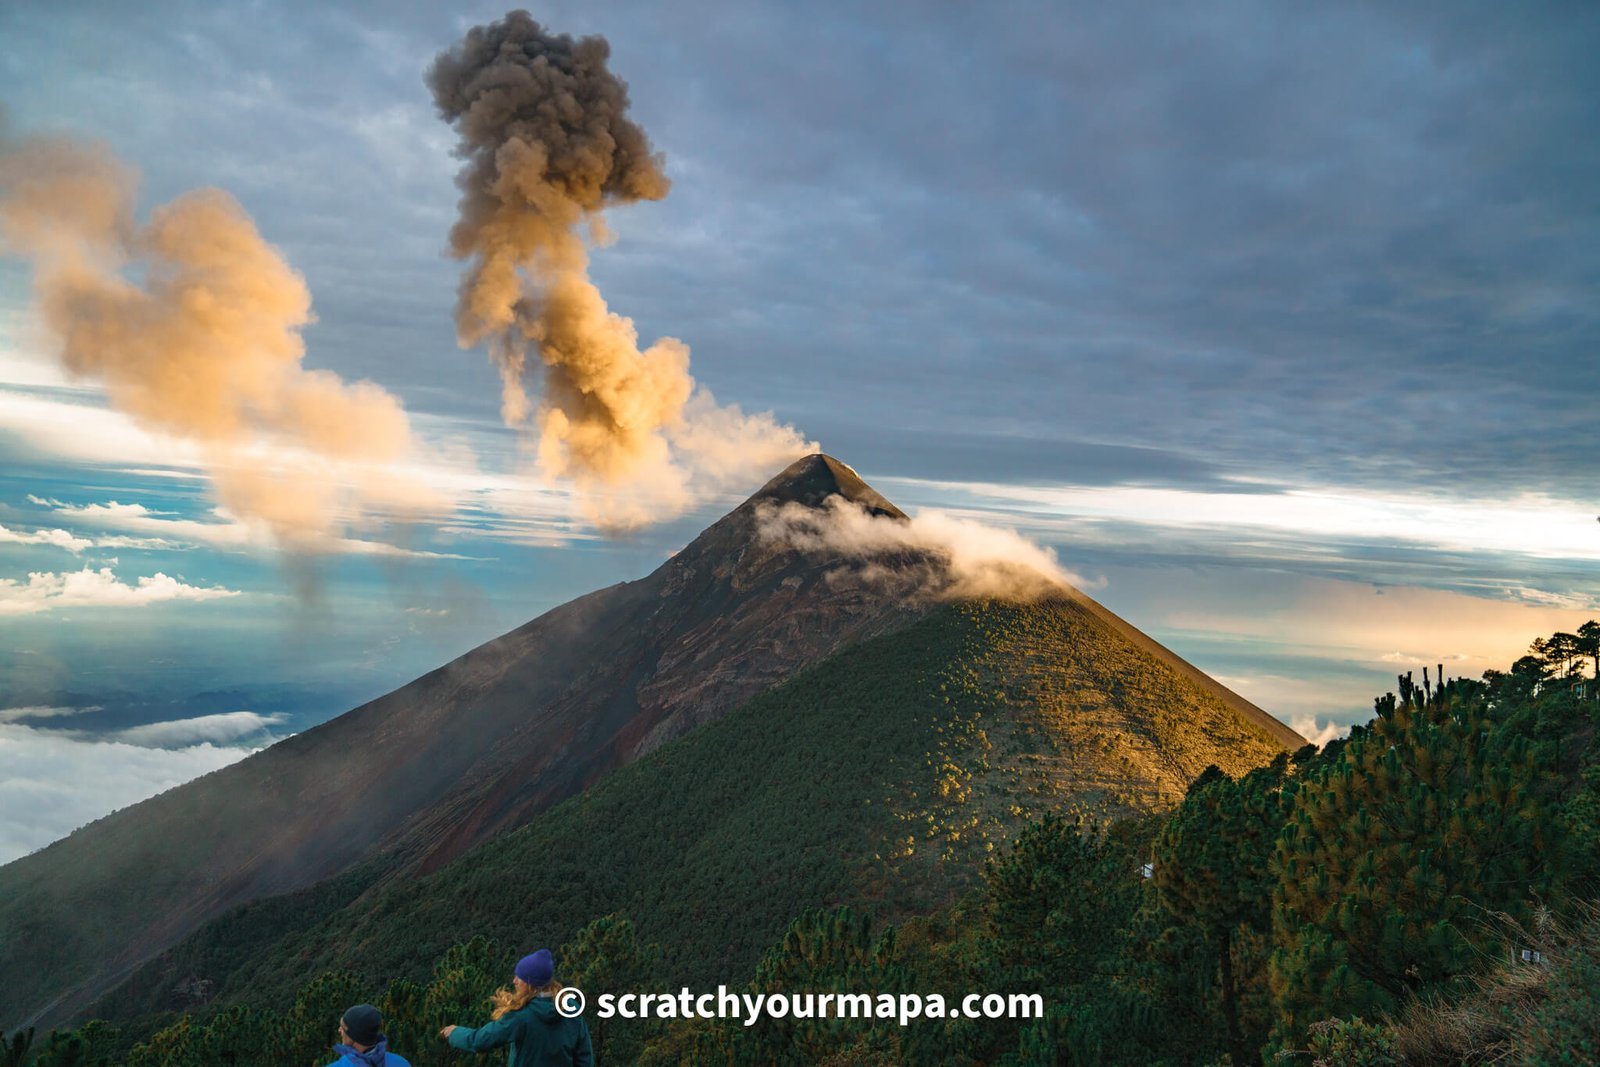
401, 787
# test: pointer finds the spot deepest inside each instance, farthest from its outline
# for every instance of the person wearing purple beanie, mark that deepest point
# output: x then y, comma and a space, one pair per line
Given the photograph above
526, 1019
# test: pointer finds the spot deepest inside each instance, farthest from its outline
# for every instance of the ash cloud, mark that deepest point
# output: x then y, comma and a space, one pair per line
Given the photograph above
192, 323
547, 146
930, 555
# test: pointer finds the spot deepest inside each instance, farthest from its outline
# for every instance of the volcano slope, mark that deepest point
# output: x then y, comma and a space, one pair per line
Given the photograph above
880, 778
448, 761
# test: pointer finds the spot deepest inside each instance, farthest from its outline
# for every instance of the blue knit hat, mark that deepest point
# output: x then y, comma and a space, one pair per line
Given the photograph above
537, 968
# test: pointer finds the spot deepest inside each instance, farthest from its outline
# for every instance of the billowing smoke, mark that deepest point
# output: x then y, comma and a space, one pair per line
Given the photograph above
930, 555
192, 324
547, 146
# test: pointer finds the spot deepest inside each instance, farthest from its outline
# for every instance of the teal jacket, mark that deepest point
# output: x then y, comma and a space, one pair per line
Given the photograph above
537, 1034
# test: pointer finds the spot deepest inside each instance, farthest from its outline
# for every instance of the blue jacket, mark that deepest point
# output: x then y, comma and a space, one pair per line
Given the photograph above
538, 1035
376, 1056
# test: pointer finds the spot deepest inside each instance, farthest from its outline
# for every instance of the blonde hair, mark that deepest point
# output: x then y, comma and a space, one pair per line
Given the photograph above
509, 999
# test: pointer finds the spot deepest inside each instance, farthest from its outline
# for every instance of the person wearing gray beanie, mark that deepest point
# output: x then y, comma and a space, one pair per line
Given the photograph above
361, 1040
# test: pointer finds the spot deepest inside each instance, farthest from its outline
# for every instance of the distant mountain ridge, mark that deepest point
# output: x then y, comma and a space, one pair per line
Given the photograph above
470, 750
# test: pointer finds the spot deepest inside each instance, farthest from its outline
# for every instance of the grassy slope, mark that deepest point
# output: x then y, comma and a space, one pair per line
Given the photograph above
881, 776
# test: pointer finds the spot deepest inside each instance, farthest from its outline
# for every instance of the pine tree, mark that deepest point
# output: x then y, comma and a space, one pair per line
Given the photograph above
1057, 903
1060, 904
176, 1046
826, 951
1211, 872
606, 957
1390, 857
311, 1028
1589, 644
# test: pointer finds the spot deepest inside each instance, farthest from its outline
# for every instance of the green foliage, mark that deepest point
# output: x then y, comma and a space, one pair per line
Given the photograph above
1212, 879
1061, 908
243, 1035
311, 1027
17, 1047
1057, 902
1429, 816
825, 952
1049, 918
91, 1046
463, 979
304, 1037
1351, 1043
607, 956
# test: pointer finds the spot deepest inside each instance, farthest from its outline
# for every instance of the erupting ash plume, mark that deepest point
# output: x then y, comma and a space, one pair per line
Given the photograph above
930, 555
203, 341
548, 146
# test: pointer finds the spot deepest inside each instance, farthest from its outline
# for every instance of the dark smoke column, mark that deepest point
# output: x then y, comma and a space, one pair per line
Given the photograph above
548, 145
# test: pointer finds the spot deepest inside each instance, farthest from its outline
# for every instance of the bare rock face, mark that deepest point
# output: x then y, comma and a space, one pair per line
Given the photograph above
778, 607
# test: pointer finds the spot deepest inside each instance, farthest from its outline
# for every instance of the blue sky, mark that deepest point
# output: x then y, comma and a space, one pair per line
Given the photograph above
1278, 325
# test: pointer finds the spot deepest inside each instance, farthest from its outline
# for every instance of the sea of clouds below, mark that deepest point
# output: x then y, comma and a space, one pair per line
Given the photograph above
54, 779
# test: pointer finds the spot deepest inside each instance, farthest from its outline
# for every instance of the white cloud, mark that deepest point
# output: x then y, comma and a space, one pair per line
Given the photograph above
1352, 622
71, 542
40, 712
54, 538
1551, 598
51, 783
115, 515
1529, 524
45, 591
977, 559
227, 533
1319, 734
224, 728
1428, 658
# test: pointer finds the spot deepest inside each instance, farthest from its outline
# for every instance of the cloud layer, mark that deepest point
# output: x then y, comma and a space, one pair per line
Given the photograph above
224, 728
63, 539
935, 555
51, 783
96, 588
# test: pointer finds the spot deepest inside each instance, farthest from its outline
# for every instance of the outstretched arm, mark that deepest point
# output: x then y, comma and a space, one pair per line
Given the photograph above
497, 1034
